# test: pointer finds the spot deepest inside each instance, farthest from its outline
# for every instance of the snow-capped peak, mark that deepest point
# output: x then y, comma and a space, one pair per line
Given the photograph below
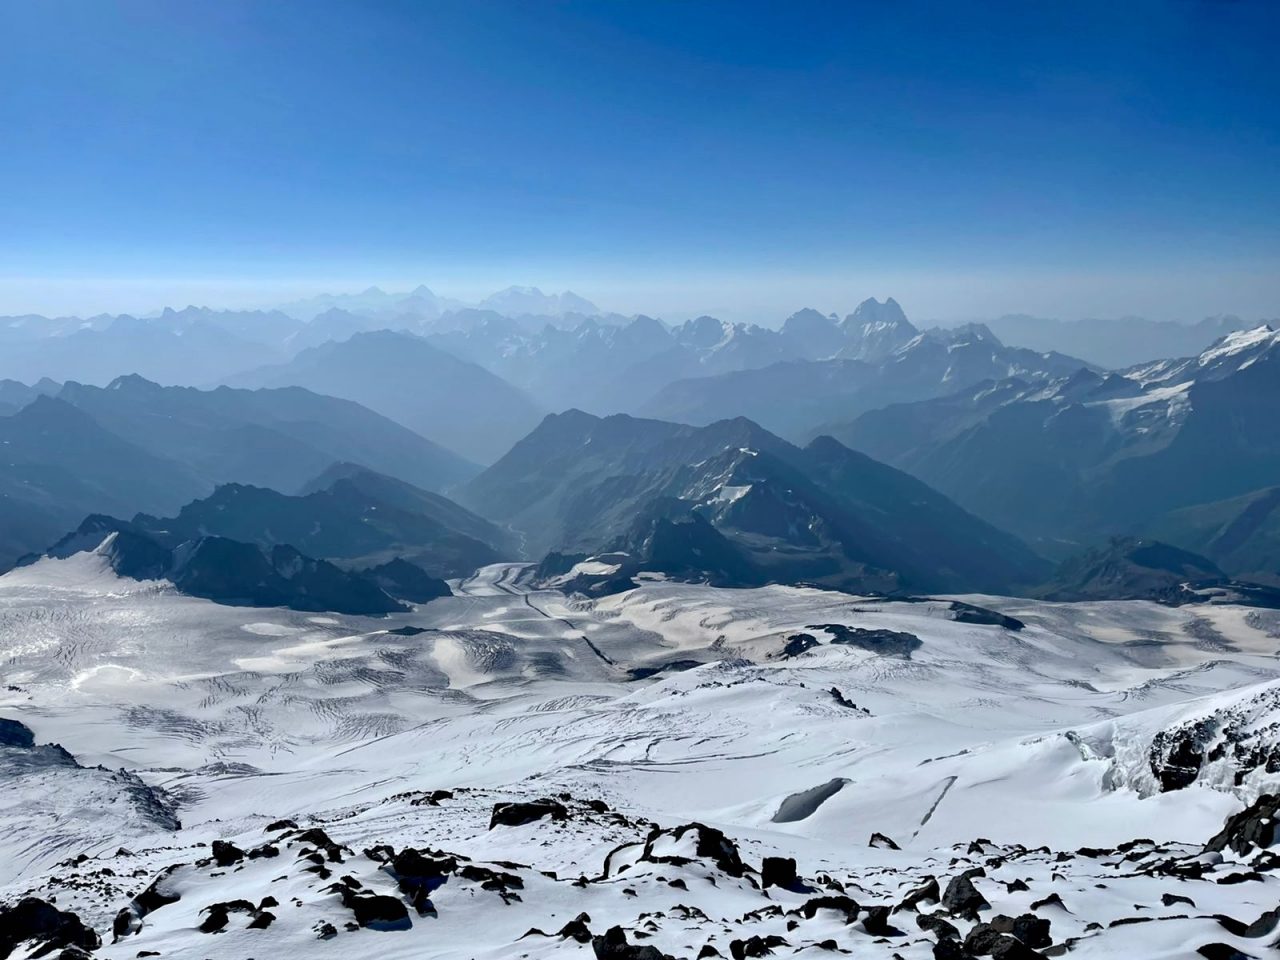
1260, 339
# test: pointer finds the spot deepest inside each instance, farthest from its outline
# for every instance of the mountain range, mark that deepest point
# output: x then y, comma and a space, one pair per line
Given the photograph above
135, 446
735, 504
1065, 461
880, 362
229, 571
350, 515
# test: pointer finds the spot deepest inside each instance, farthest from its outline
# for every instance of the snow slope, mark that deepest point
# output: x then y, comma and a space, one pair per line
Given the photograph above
228, 719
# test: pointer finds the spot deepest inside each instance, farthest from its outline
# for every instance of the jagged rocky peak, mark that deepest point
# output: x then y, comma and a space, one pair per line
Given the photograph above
872, 312
1239, 348
875, 329
702, 332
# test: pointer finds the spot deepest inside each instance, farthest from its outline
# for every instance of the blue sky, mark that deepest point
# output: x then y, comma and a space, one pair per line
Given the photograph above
968, 158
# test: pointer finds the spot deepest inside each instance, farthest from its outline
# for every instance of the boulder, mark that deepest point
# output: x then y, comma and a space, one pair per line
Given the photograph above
962, 898
34, 919
778, 872
882, 842
225, 853
518, 814
612, 945
1254, 826
16, 734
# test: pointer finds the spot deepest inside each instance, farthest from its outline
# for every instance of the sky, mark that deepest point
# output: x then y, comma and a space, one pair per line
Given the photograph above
739, 158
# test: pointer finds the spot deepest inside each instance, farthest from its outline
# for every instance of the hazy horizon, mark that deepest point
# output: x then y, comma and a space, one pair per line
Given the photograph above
935, 300
672, 160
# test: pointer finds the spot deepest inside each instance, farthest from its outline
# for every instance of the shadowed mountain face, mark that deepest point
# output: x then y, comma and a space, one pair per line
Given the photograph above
1130, 569
765, 509
60, 464
1240, 534
357, 519
229, 571
279, 438
1077, 458
1133, 568
451, 401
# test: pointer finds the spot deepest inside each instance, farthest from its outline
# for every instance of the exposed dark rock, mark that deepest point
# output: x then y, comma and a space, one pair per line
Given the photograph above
880, 840
671, 666
612, 945
1254, 826
1177, 755
375, 911
281, 825
985, 940
418, 873
16, 734
520, 813
318, 838
1030, 929
709, 844
842, 904
797, 644
1052, 899
962, 898
844, 701
34, 919
928, 890
431, 798
779, 872
755, 947
940, 928
1169, 899
962, 612
1263, 926
876, 922
577, 929
407, 581
226, 853
887, 643
1221, 951
490, 879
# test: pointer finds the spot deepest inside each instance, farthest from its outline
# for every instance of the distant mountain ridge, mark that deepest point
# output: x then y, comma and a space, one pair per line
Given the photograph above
1133, 568
135, 446
402, 376
277, 437
886, 360
229, 571
60, 464
767, 510
349, 515
1071, 459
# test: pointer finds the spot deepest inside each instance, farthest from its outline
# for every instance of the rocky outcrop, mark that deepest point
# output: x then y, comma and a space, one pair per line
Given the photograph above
34, 920
1255, 827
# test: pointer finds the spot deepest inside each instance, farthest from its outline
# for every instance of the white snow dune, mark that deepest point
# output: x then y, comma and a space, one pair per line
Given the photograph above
236, 717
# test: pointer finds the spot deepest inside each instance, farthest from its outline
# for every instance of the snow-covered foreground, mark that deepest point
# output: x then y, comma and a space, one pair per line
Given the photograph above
184, 723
